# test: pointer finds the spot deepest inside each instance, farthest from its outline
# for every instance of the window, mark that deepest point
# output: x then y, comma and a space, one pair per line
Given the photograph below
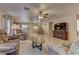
35, 27
24, 26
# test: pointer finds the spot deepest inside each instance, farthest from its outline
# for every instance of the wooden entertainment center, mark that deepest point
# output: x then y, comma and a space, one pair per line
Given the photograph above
60, 31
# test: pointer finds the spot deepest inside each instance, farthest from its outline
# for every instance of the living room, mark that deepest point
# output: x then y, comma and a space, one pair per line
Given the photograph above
48, 29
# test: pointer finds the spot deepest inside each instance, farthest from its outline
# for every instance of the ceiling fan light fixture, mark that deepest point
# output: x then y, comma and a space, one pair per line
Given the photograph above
41, 17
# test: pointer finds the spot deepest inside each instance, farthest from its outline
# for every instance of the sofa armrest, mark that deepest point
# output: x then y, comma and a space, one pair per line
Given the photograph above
17, 41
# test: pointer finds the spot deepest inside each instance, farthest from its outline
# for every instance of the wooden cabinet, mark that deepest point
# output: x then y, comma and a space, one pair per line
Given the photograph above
60, 31
60, 34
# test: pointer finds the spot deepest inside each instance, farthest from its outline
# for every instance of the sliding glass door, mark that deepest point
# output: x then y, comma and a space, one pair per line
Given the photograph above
7, 23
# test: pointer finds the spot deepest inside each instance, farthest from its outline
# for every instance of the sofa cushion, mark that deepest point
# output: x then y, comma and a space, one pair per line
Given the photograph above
4, 38
74, 49
56, 50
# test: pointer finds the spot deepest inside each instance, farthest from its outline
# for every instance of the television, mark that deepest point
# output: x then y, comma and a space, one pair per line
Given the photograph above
60, 26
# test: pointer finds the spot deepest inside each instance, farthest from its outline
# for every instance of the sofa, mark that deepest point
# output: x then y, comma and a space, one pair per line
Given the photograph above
62, 49
4, 39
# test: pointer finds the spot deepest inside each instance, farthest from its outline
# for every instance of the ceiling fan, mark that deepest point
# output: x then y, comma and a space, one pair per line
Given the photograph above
41, 14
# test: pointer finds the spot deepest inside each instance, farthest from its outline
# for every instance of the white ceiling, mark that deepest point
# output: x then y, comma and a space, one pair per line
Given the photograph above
50, 8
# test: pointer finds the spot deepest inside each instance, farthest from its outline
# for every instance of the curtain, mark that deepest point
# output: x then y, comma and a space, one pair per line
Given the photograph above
7, 23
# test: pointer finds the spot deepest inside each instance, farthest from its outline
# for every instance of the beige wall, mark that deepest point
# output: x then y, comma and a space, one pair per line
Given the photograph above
1, 13
1, 22
71, 20
72, 27
72, 30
